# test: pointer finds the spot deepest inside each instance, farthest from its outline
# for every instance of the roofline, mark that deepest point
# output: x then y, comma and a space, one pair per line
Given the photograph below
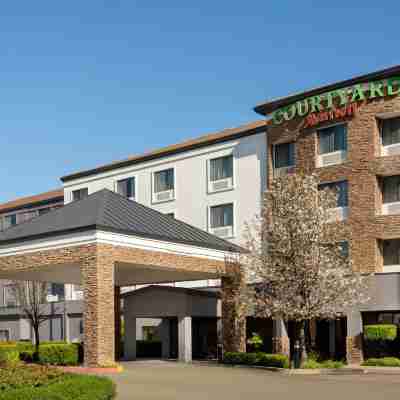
232, 248
267, 107
225, 136
30, 202
204, 293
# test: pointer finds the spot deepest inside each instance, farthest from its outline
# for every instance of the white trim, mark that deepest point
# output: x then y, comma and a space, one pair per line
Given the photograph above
115, 239
390, 268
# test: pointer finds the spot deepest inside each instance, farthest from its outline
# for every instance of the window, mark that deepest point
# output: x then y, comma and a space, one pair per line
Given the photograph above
4, 335
81, 327
341, 190
9, 221
391, 189
391, 252
172, 215
164, 185
10, 299
221, 216
150, 333
57, 289
126, 188
27, 216
284, 155
333, 138
221, 168
43, 211
344, 249
390, 129
80, 194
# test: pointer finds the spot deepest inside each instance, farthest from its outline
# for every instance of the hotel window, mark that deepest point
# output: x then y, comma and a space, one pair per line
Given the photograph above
126, 188
391, 189
221, 220
56, 292
284, 155
344, 249
27, 216
4, 335
332, 145
341, 189
9, 221
80, 194
390, 129
391, 252
221, 173
164, 185
10, 299
43, 211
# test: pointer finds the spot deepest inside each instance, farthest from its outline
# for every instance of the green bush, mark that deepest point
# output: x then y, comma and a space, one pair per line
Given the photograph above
59, 354
63, 387
380, 332
382, 362
9, 355
329, 364
262, 359
311, 364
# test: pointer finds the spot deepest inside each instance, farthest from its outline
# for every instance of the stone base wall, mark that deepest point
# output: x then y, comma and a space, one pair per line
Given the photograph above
281, 345
354, 352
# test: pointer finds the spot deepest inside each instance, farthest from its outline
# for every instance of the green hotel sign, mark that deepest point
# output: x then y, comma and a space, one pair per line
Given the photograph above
337, 103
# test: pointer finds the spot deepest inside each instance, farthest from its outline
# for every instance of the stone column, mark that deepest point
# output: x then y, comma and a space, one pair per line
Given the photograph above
129, 337
280, 339
233, 319
185, 339
117, 314
165, 339
354, 350
99, 334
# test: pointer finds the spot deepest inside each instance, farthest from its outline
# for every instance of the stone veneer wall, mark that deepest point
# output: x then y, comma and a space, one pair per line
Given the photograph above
97, 263
363, 171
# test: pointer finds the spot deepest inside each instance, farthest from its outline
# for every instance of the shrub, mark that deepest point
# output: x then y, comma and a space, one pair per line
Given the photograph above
380, 332
262, 359
314, 364
9, 355
63, 387
59, 354
311, 364
26, 351
382, 362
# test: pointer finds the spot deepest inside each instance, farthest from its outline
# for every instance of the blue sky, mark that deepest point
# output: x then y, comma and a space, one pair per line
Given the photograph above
88, 82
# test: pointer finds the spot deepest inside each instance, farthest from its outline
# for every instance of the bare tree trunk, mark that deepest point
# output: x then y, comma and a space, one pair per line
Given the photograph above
37, 341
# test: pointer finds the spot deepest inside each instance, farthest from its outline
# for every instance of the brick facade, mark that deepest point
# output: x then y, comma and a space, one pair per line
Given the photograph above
97, 263
363, 169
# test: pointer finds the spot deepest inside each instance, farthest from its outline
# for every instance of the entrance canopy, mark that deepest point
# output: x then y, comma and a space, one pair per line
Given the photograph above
103, 241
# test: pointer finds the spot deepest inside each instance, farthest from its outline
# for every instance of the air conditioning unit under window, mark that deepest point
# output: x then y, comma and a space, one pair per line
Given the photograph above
164, 196
51, 298
337, 157
221, 184
279, 172
223, 231
391, 150
391, 208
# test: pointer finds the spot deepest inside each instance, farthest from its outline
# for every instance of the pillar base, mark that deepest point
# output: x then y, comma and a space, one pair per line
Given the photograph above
281, 345
354, 351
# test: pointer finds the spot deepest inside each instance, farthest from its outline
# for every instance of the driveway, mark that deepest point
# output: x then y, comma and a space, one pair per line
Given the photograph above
164, 380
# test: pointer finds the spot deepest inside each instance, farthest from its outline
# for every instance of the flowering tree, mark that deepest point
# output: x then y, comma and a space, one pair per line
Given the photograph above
296, 257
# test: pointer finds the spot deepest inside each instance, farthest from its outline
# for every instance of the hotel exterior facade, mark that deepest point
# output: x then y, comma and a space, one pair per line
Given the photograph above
348, 133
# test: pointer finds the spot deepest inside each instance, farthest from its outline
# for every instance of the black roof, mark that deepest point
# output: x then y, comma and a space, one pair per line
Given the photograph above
108, 211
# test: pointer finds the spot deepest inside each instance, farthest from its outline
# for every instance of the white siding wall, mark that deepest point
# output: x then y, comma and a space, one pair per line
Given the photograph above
192, 200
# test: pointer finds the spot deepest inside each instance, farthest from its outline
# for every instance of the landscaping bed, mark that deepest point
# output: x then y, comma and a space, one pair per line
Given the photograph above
257, 359
35, 382
382, 362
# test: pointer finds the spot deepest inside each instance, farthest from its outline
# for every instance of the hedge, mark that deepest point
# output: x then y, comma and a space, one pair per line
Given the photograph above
382, 362
380, 332
69, 387
9, 355
261, 359
59, 354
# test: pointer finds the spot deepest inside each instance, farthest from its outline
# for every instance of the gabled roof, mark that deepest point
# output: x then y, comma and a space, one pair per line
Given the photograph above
109, 211
33, 201
202, 141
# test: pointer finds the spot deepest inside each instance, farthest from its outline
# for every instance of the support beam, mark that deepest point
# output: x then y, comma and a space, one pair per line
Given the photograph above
130, 337
117, 314
165, 339
354, 351
332, 338
280, 339
185, 339
98, 283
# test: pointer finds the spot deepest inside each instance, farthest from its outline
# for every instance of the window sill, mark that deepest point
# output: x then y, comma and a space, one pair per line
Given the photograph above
391, 208
391, 268
329, 159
